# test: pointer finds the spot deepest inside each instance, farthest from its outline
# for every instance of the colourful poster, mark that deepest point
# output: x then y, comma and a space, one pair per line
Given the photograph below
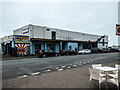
22, 49
19, 38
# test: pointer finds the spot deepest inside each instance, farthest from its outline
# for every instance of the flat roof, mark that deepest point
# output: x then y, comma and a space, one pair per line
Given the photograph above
67, 30
60, 29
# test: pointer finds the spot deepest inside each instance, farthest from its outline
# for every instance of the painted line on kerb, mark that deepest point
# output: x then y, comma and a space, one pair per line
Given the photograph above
60, 69
74, 65
68, 67
88, 62
48, 70
63, 66
57, 68
22, 76
35, 73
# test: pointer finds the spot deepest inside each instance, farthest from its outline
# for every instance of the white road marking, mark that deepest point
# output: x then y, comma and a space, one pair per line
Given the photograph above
22, 76
35, 73
60, 69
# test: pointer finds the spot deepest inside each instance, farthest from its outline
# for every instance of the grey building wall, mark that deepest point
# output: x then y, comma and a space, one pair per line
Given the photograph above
42, 32
45, 32
19, 31
3, 39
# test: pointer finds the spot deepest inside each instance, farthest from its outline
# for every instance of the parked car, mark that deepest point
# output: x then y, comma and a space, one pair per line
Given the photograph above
105, 50
118, 49
96, 50
46, 53
114, 49
84, 51
68, 52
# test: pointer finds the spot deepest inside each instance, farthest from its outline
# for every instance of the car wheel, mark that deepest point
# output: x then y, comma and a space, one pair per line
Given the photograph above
44, 56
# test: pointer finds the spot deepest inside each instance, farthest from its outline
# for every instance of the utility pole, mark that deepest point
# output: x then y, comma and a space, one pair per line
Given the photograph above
118, 22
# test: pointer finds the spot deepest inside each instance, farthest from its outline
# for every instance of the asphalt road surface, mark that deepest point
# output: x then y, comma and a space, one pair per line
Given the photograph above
34, 66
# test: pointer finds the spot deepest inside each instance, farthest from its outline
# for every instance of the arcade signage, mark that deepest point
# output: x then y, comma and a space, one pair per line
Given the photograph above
19, 38
117, 29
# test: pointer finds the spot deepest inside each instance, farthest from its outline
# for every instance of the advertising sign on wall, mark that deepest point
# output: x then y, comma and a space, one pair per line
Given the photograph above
10, 38
19, 38
117, 29
22, 49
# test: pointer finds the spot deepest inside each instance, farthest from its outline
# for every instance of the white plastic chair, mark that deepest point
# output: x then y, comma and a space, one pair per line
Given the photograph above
117, 66
96, 75
96, 65
114, 76
114, 81
115, 73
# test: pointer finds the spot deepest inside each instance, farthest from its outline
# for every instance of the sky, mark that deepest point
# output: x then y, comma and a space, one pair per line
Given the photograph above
88, 17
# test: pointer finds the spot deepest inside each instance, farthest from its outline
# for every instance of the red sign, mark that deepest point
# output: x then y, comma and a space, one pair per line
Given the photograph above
117, 29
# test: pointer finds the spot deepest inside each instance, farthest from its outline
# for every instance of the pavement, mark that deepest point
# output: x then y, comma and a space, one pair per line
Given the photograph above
70, 78
9, 57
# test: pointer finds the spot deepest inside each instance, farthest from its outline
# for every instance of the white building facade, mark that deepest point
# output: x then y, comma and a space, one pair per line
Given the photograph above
41, 37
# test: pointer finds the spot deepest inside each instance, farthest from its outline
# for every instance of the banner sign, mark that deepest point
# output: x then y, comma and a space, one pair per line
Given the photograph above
19, 38
10, 38
117, 29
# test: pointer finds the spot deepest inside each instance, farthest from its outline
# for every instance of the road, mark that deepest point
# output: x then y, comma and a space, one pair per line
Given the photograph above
32, 66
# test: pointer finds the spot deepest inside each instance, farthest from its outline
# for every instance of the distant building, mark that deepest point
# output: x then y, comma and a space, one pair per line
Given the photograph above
34, 38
